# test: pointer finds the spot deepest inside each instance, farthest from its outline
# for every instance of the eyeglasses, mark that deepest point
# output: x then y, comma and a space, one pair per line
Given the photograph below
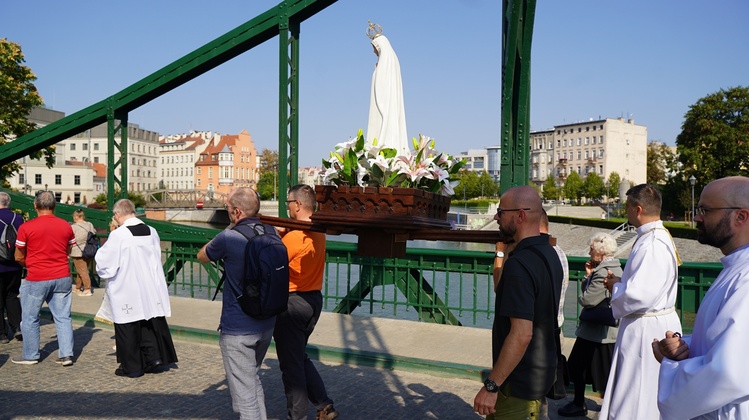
227, 206
499, 211
700, 211
291, 201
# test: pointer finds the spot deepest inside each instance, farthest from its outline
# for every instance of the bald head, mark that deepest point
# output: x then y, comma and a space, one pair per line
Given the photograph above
520, 215
724, 219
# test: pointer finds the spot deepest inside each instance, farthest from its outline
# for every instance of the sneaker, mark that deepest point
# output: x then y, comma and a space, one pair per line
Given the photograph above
87, 292
18, 336
65, 361
4, 339
327, 413
22, 361
572, 410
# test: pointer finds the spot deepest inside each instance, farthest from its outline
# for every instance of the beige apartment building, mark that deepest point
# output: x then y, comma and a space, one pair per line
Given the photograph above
177, 157
602, 146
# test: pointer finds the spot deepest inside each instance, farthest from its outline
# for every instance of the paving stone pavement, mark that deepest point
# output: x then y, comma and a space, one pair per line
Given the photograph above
196, 387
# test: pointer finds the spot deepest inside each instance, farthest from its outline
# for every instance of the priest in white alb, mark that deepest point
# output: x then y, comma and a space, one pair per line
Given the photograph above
706, 375
130, 261
643, 298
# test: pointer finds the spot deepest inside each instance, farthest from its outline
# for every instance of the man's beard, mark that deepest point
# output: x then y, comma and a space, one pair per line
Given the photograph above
717, 237
508, 231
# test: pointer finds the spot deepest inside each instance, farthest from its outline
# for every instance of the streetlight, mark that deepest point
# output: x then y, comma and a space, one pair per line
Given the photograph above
692, 181
608, 198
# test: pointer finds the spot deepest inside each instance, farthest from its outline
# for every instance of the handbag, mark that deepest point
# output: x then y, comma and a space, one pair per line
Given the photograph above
600, 314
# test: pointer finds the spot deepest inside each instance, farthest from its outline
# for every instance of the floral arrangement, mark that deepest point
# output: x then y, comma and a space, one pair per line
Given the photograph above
357, 162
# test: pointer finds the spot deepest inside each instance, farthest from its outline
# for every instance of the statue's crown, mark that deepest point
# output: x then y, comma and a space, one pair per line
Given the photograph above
374, 30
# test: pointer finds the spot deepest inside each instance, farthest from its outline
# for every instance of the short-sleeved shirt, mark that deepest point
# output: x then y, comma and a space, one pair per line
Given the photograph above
306, 260
46, 240
229, 246
525, 291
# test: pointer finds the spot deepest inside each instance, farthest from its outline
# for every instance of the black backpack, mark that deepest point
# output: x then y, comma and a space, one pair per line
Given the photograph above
8, 241
92, 245
265, 284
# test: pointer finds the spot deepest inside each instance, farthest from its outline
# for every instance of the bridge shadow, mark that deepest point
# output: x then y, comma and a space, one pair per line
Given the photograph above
196, 386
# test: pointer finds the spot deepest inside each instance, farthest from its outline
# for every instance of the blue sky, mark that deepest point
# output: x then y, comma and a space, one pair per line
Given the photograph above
643, 59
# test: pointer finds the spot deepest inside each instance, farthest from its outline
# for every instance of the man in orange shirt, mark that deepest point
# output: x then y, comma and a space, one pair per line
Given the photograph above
301, 381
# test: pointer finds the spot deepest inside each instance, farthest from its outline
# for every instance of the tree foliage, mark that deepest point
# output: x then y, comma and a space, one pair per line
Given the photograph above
266, 184
714, 141
614, 181
573, 186
18, 96
661, 163
593, 187
550, 188
268, 160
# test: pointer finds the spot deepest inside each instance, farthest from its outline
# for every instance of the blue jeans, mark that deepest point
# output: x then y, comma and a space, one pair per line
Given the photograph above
56, 293
243, 355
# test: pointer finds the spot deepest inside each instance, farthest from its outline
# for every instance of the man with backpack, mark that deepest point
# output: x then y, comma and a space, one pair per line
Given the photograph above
244, 339
10, 271
306, 250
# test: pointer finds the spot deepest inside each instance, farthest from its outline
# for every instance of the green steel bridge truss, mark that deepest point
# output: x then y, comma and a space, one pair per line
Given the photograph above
442, 286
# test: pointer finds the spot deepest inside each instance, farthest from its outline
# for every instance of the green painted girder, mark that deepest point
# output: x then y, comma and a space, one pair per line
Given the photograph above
211, 55
517, 34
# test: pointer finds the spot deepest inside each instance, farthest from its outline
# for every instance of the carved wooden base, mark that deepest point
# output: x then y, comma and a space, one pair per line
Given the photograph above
382, 217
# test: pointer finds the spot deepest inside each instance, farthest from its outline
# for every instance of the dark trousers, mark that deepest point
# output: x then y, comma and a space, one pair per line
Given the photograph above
10, 282
142, 342
301, 381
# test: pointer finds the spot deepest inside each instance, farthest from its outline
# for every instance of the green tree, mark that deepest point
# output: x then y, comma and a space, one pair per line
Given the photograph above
487, 185
268, 170
614, 181
713, 141
573, 186
593, 187
550, 188
18, 96
469, 186
661, 163
265, 185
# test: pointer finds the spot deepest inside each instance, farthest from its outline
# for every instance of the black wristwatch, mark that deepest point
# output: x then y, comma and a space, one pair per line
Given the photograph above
490, 385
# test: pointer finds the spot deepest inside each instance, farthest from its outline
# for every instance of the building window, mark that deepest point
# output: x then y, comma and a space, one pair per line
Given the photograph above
85, 146
77, 180
58, 179
600, 169
72, 146
600, 153
38, 179
96, 159
578, 155
579, 129
587, 141
21, 179
96, 146
601, 140
58, 197
579, 141
587, 154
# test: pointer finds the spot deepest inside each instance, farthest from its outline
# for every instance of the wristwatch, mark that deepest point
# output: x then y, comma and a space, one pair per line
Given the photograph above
500, 254
490, 385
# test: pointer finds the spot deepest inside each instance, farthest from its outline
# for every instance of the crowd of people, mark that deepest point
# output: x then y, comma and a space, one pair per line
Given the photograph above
628, 345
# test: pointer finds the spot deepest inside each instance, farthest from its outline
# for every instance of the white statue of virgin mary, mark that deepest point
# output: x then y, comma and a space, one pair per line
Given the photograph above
387, 114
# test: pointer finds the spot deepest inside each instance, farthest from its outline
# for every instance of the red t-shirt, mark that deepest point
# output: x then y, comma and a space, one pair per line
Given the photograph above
46, 241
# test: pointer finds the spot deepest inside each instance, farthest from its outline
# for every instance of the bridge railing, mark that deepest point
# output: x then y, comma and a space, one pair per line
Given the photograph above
443, 286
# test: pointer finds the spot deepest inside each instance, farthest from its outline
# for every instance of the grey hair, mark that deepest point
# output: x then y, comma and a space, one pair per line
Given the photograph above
605, 243
4, 200
124, 207
45, 200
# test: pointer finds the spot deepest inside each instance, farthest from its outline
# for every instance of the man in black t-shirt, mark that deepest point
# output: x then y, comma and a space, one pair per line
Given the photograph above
523, 346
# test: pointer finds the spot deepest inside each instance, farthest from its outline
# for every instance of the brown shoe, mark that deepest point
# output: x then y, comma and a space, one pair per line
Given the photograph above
327, 413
